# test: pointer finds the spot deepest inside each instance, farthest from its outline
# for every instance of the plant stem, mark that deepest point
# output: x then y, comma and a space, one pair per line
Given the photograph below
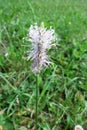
37, 76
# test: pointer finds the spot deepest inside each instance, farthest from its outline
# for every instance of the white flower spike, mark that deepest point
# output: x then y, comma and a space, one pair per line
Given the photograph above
78, 127
42, 40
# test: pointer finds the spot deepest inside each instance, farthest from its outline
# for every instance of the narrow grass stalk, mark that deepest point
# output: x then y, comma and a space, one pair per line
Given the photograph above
37, 89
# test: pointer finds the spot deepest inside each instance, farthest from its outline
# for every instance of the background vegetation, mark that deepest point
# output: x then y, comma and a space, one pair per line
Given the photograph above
63, 86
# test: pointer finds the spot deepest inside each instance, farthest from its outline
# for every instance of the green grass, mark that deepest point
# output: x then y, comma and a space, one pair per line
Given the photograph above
63, 86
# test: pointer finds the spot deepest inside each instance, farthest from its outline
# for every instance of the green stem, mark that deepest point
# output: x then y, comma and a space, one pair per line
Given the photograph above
37, 76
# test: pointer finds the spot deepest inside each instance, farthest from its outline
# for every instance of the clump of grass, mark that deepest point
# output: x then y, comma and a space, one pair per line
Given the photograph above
62, 99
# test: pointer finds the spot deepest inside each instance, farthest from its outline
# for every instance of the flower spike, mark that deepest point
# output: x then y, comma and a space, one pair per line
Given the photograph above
42, 40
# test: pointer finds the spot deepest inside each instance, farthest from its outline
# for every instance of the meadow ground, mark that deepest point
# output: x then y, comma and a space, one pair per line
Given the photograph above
63, 86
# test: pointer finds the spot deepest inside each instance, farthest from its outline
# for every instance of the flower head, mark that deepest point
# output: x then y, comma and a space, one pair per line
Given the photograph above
78, 127
42, 40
